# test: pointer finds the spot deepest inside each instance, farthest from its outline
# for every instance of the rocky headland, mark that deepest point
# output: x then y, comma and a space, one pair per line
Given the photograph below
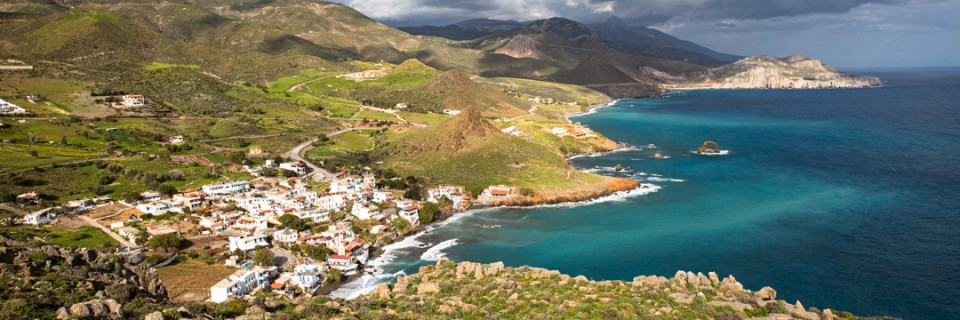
766, 72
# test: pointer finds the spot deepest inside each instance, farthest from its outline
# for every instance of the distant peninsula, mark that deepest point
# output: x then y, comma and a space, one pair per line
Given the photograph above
765, 72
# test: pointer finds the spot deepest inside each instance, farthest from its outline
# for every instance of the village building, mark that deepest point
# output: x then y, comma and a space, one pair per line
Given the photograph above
241, 283
559, 131
9, 108
150, 196
156, 208
29, 198
132, 100
41, 217
308, 276
297, 167
451, 112
286, 236
175, 139
226, 188
511, 130
409, 211
249, 242
365, 212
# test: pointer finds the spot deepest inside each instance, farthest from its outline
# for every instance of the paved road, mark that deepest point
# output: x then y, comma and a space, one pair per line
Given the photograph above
251, 136
94, 223
297, 151
13, 209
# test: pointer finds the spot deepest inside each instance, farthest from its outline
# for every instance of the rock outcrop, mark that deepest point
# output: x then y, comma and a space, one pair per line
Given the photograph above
76, 282
709, 147
793, 72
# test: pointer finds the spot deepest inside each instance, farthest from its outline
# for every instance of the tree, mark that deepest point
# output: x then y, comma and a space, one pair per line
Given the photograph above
414, 193
334, 275
166, 241
263, 257
292, 222
428, 212
167, 189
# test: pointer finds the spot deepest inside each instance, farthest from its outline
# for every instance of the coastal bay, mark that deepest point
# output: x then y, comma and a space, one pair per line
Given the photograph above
835, 197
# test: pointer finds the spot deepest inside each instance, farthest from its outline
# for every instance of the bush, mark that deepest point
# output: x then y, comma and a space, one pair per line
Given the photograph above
428, 212
170, 241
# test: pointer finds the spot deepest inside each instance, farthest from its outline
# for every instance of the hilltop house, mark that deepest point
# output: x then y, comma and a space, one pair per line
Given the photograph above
365, 212
296, 166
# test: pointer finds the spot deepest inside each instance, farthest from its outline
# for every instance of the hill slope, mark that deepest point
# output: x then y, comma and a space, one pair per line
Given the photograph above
793, 72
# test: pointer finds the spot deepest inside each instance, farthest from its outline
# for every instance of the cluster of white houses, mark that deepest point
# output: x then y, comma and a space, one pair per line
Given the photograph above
246, 212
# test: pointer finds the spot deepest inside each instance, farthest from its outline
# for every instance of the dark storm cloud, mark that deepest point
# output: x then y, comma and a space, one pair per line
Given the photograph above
647, 12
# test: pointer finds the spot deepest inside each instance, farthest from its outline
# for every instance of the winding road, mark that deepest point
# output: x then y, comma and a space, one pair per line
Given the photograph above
295, 154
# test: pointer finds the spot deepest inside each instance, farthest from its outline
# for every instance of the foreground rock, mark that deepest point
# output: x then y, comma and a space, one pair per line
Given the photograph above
473, 290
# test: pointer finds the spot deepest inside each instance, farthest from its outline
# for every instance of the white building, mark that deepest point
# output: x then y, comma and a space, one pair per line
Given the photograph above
451, 112
314, 215
409, 211
150, 196
241, 282
559, 131
174, 139
512, 130
365, 212
9, 108
330, 203
225, 188
132, 100
158, 207
41, 217
400, 106
382, 196
286, 236
308, 276
249, 242
297, 167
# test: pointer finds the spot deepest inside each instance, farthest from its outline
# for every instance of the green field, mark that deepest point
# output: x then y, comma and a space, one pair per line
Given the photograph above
85, 237
159, 65
376, 116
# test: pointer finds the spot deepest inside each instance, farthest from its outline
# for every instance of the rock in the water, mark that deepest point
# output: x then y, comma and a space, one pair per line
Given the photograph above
709, 147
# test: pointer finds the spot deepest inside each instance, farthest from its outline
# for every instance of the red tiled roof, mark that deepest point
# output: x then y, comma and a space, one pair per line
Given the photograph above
339, 257
276, 285
410, 207
499, 192
288, 210
299, 198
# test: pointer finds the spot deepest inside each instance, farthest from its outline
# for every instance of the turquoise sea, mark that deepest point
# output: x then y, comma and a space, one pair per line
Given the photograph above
848, 199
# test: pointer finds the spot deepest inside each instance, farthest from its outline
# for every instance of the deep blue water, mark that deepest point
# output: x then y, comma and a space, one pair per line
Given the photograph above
848, 199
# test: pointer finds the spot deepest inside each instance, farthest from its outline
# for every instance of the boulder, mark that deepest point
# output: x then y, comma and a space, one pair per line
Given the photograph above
767, 293
156, 315
714, 279
730, 285
383, 291
427, 288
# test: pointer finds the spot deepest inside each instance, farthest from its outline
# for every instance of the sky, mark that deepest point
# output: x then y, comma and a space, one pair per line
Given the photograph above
843, 33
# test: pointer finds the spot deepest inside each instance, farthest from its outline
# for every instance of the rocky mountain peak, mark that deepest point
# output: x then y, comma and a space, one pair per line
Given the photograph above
798, 57
566, 28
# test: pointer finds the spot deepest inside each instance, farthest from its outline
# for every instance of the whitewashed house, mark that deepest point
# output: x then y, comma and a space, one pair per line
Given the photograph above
308, 276
249, 242
409, 211
41, 217
132, 100
241, 282
297, 167
226, 188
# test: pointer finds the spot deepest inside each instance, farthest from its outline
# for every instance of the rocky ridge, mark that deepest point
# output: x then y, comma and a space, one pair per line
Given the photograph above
473, 290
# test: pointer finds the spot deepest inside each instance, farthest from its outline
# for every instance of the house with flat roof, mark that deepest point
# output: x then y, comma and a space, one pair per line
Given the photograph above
242, 282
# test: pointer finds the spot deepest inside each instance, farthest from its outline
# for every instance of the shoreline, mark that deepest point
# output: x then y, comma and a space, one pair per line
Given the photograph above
613, 189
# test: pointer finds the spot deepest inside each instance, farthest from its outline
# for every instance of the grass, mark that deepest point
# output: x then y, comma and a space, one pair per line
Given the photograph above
375, 115
85, 237
17, 156
341, 111
160, 65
